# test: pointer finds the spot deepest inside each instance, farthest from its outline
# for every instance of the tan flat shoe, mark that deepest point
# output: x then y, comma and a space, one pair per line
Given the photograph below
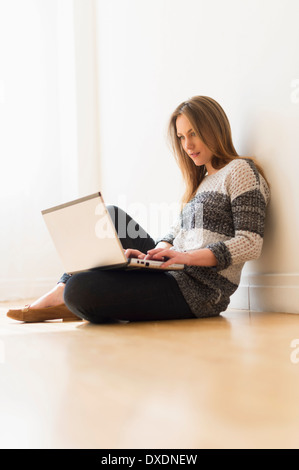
32, 315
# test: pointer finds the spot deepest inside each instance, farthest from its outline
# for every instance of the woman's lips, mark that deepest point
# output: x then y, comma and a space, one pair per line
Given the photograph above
193, 155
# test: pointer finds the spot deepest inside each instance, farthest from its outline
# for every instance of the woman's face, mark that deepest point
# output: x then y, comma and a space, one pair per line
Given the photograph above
193, 145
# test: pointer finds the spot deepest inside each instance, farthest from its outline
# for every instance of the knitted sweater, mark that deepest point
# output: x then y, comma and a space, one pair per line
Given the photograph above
226, 215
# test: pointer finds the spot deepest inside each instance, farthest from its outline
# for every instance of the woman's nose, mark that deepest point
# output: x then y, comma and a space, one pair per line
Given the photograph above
189, 143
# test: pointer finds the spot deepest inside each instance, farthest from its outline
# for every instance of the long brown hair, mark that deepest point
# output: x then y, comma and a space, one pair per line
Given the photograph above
211, 124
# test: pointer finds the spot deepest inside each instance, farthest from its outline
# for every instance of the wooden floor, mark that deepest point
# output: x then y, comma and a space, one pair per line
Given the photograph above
227, 382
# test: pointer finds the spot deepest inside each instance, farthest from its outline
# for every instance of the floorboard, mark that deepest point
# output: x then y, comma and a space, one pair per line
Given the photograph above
226, 382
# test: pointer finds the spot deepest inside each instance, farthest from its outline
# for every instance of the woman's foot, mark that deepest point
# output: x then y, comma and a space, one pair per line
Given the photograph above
48, 307
33, 315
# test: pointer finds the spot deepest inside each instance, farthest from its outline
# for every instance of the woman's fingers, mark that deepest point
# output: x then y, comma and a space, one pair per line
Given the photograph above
131, 253
168, 256
155, 253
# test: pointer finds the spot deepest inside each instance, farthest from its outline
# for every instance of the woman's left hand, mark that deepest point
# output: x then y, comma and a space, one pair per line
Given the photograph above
171, 256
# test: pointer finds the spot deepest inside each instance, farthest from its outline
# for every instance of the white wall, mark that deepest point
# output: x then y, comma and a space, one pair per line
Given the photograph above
153, 55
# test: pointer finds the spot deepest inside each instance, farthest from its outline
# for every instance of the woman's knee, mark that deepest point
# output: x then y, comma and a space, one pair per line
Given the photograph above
74, 294
83, 295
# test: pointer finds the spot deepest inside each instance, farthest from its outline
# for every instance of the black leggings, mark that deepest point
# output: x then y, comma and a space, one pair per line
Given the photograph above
102, 296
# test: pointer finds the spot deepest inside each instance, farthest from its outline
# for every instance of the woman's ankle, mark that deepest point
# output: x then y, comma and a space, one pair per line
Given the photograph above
51, 299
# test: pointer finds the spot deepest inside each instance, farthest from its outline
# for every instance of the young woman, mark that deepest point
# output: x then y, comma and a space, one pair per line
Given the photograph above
220, 227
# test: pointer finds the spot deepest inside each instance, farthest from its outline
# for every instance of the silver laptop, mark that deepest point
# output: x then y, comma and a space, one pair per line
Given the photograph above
85, 237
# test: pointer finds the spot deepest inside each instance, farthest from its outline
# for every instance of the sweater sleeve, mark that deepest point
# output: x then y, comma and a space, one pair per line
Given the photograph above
172, 233
249, 195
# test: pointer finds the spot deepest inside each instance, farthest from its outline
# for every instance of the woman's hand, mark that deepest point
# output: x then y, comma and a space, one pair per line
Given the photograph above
170, 256
131, 253
201, 257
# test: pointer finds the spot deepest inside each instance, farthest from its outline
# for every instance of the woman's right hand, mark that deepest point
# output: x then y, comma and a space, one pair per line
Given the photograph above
161, 246
131, 253
154, 254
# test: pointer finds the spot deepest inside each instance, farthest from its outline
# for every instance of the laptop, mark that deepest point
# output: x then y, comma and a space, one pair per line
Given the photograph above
84, 236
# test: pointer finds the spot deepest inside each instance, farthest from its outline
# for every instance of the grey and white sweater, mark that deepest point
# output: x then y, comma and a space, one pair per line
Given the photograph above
226, 215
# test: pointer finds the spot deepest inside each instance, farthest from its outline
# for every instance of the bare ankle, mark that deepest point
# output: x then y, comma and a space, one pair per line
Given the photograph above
51, 299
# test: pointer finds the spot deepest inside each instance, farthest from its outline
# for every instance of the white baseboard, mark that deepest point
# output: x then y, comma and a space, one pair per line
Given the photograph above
268, 293
240, 299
